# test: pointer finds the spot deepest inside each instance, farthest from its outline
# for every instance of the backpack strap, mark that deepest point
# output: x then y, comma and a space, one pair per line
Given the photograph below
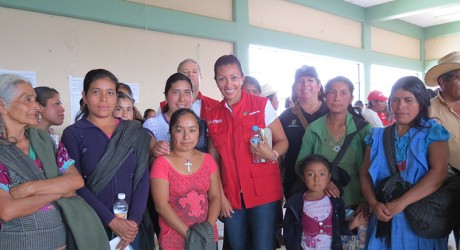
359, 124
297, 111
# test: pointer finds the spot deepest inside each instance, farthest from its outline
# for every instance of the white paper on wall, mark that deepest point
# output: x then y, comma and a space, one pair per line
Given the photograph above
29, 75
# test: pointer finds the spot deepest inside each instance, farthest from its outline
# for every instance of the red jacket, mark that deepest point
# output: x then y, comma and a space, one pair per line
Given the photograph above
230, 132
206, 104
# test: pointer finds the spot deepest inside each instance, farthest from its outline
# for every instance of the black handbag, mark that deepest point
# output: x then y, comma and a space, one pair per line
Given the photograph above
433, 216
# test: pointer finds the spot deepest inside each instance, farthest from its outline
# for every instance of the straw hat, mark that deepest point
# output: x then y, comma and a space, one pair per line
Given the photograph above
446, 64
267, 90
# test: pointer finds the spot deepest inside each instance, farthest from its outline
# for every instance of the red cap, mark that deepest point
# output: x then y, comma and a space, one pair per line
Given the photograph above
376, 95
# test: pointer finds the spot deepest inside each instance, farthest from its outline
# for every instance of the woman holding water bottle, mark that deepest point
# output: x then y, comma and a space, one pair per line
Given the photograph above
251, 191
112, 156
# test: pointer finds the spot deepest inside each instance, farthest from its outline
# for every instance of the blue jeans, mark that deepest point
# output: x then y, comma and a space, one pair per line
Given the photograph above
253, 228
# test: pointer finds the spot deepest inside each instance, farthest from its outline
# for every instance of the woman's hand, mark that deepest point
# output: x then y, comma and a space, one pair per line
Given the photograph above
262, 149
161, 148
396, 206
332, 190
226, 210
125, 229
381, 211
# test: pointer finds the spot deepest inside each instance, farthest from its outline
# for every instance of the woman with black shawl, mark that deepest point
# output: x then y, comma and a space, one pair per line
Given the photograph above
420, 153
111, 155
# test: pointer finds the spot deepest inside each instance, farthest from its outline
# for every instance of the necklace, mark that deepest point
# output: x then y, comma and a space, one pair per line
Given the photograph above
333, 143
187, 163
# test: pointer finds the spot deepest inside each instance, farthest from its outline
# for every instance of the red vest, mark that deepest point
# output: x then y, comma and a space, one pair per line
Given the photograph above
230, 132
206, 104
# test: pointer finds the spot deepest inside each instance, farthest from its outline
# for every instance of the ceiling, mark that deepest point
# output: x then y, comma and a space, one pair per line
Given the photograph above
420, 13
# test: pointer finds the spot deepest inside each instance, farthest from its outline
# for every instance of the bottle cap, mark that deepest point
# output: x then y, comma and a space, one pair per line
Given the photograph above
121, 196
255, 127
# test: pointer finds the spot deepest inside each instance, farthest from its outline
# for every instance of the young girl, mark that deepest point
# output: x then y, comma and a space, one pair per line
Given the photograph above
124, 108
313, 220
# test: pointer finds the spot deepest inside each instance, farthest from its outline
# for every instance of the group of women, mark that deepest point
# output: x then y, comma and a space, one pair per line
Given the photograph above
193, 180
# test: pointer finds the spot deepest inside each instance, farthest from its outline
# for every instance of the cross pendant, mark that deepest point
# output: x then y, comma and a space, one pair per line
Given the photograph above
188, 164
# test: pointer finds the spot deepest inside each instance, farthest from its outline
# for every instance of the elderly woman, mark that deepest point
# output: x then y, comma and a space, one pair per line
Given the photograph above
251, 191
422, 154
35, 177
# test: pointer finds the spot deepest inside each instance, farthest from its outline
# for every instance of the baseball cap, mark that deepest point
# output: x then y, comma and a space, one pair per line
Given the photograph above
376, 96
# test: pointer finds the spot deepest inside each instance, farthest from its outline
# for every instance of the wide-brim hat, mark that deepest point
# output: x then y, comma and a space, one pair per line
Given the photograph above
446, 64
267, 90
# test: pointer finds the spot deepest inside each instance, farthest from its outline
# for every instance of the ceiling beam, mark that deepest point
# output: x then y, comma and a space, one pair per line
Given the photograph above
402, 8
335, 7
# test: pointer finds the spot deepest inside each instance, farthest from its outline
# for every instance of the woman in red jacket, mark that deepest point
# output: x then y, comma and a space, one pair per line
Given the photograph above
251, 191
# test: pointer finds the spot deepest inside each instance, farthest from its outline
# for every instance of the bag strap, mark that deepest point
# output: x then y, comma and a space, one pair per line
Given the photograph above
389, 147
360, 124
296, 110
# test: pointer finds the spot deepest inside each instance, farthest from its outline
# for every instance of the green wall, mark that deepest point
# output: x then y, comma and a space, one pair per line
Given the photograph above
241, 34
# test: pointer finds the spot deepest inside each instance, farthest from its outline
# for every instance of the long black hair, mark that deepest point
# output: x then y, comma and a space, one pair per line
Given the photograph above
171, 80
415, 86
90, 77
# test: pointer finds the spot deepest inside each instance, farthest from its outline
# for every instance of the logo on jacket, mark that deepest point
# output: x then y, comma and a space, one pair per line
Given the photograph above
215, 121
293, 124
251, 113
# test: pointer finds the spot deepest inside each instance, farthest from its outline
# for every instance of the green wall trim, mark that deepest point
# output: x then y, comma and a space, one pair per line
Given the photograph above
442, 30
238, 32
402, 8
401, 27
336, 7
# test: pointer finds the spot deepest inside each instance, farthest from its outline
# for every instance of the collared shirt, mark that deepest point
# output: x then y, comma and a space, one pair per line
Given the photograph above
444, 114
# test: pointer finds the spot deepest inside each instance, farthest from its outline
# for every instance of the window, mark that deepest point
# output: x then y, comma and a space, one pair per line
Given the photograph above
277, 67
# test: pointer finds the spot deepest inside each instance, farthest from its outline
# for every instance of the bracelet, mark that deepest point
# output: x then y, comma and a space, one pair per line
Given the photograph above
275, 158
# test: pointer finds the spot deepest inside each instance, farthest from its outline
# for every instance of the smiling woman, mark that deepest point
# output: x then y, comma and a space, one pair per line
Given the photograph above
252, 192
178, 94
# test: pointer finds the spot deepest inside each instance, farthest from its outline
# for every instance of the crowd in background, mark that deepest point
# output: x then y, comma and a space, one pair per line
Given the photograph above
338, 169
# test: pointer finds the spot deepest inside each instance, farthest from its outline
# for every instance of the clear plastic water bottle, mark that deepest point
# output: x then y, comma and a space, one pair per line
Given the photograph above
255, 138
120, 207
